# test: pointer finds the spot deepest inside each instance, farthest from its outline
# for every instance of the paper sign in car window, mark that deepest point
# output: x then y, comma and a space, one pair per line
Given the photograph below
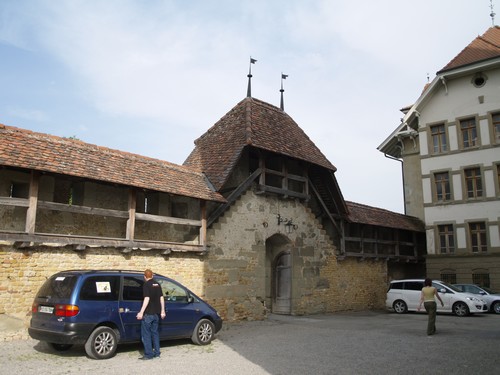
103, 287
60, 278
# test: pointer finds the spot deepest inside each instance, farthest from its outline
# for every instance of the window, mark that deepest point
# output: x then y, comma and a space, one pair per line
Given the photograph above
100, 288
446, 239
173, 292
19, 190
481, 278
132, 288
469, 132
438, 135
495, 119
449, 277
414, 285
477, 232
473, 182
442, 184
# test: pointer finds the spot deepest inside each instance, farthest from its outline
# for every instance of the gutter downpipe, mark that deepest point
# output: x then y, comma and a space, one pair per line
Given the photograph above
402, 178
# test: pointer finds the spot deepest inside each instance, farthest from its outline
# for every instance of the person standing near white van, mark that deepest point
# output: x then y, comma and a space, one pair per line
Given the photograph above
428, 298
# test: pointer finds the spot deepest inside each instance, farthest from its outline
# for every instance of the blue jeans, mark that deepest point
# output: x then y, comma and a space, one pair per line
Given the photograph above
150, 336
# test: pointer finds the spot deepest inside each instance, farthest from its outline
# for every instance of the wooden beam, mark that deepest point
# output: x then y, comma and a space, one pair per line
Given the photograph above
23, 240
82, 209
16, 202
32, 205
203, 229
234, 195
132, 201
168, 219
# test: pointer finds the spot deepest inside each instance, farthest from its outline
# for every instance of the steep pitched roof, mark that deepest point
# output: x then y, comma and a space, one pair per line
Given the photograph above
42, 152
362, 214
255, 123
484, 47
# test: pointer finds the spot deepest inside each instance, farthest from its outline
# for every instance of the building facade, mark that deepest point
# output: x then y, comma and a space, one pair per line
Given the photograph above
254, 221
449, 142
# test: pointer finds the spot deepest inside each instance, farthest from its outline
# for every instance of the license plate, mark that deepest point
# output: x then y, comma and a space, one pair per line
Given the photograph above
46, 309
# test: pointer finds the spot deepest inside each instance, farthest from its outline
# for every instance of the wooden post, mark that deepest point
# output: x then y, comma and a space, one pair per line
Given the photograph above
132, 200
33, 202
203, 228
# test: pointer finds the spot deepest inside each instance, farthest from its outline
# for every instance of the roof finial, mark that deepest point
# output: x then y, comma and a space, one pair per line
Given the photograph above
282, 104
249, 89
492, 14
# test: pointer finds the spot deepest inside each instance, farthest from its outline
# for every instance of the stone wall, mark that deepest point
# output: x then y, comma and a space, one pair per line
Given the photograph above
23, 272
239, 265
236, 274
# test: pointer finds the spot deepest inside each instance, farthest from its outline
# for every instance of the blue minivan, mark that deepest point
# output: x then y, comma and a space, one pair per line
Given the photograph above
98, 309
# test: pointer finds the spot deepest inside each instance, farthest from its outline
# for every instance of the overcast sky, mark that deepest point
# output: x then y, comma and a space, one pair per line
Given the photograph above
149, 77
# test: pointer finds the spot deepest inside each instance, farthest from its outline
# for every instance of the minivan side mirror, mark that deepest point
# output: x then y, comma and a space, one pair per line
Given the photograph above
190, 299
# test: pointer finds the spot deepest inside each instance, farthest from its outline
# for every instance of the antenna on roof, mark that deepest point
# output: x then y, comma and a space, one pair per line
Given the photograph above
282, 104
492, 14
249, 89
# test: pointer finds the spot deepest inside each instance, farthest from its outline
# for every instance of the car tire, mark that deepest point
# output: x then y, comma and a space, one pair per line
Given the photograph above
203, 333
102, 343
461, 309
60, 347
400, 306
496, 307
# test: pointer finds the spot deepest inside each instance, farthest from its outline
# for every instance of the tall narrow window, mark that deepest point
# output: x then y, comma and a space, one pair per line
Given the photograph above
442, 182
446, 239
478, 237
469, 132
496, 126
473, 182
438, 134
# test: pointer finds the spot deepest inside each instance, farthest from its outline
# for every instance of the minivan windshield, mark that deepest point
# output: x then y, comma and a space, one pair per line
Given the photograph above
58, 286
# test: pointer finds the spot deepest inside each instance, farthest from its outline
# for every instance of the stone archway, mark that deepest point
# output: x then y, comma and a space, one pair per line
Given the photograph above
279, 274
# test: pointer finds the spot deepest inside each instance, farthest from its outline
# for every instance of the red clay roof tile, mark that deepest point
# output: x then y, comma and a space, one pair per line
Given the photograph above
362, 214
484, 47
30, 150
256, 123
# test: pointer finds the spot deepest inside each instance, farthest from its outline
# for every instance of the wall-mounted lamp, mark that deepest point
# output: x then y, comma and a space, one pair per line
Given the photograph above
289, 225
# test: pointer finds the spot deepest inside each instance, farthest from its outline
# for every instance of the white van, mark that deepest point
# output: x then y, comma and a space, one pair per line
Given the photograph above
404, 295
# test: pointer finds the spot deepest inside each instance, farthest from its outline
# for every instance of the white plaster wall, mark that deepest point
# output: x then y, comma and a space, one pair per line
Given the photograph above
457, 213
426, 190
461, 100
484, 157
461, 238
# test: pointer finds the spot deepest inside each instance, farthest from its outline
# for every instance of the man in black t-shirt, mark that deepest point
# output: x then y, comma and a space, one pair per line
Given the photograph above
152, 306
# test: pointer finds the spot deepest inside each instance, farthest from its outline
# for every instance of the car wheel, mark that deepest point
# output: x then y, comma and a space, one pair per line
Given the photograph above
460, 309
203, 333
102, 343
496, 307
61, 347
400, 306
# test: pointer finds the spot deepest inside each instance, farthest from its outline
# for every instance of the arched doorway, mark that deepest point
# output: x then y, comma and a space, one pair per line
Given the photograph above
279, 274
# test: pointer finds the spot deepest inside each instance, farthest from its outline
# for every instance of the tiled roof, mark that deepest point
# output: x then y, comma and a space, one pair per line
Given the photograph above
362, 214
484, 47
255, 123
42, 152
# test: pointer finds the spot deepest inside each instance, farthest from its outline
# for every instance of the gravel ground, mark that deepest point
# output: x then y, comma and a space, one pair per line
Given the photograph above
346, 343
